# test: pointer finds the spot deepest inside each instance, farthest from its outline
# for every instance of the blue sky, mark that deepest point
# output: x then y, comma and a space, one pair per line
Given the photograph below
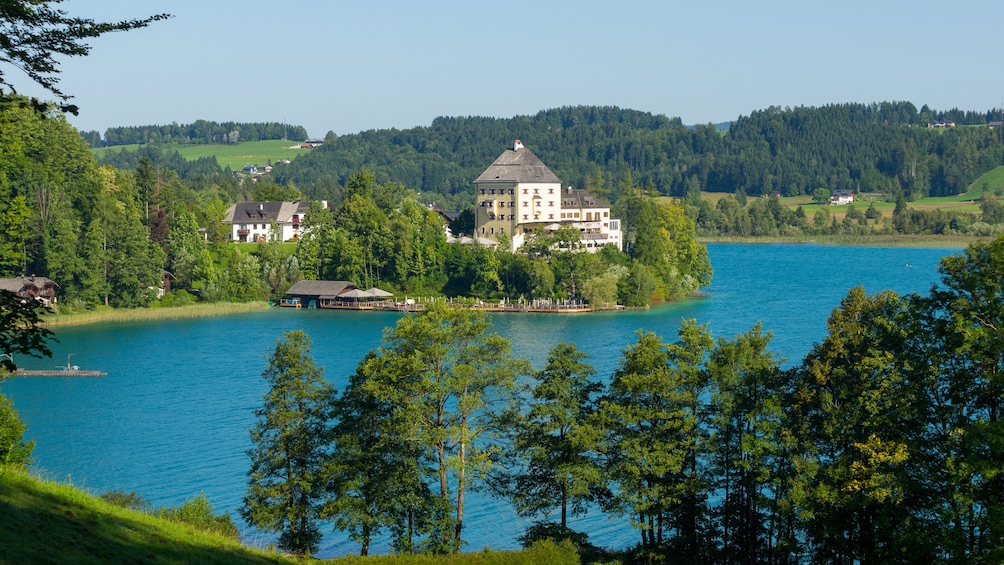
333, 65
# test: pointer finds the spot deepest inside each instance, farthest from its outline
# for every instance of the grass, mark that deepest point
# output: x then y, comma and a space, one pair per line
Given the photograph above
233, 156
107, 314
49, 522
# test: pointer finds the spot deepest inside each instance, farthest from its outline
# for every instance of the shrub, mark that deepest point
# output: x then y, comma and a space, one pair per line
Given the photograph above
13, 449
198, 512
129, 500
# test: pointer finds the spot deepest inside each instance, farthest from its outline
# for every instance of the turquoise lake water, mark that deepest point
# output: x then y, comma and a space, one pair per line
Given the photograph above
171, 419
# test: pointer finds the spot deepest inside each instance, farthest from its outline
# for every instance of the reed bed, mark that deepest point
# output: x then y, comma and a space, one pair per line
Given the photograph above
148, 314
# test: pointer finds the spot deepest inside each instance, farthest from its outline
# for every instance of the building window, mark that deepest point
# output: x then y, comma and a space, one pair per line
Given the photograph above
525, 217
492, 191
512, 191
550, 216
606, 214
550, 191
482, 191
482, 229
491, 231
526, 191
501, 230
525, 204
550, 203
536, 191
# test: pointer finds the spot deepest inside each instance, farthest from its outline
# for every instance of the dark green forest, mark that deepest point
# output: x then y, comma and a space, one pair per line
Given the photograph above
880, 147
198, 132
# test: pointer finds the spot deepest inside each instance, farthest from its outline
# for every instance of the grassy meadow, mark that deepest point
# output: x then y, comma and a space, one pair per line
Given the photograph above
49, 522
233, 156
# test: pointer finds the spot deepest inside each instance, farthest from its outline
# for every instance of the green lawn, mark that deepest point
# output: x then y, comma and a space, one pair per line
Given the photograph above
49, 522
233, 156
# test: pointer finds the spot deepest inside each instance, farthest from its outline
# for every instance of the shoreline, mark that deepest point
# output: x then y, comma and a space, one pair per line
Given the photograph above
891, 240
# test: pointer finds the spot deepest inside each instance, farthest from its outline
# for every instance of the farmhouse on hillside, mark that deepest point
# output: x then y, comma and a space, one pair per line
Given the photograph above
841, 197
519, 195
253, 221
38, 288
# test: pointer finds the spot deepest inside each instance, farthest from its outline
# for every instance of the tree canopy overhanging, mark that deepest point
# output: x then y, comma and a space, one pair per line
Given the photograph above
33, 33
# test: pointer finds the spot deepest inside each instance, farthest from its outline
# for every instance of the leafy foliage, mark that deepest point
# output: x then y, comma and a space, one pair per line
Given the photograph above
291, 440
35, 34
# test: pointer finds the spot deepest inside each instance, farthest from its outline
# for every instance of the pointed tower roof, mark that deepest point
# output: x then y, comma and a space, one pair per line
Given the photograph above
518, 165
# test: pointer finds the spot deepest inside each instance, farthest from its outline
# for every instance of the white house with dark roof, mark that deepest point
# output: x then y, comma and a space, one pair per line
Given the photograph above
518, 195
252, 221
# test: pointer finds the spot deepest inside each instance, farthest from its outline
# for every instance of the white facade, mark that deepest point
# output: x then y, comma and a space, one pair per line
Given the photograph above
518, 195
266, 221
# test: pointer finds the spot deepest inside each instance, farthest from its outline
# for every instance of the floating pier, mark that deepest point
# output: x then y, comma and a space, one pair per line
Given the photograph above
60, 373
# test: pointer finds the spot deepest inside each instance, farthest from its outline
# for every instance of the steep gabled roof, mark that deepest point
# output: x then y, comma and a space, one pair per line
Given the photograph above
326, 289
17, 284
264, 212
518, 165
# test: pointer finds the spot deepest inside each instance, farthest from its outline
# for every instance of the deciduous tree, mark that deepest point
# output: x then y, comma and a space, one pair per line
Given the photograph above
290, 443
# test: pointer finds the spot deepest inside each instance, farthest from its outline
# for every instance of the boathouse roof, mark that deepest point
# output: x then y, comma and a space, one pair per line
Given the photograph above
320, 289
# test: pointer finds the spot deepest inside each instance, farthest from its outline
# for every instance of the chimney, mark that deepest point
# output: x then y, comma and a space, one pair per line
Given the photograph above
517, 145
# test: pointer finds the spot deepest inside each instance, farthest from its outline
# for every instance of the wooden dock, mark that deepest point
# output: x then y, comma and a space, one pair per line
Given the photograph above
526, 307
59, 373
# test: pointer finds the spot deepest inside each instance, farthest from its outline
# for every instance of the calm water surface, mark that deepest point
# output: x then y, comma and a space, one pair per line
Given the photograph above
171, 419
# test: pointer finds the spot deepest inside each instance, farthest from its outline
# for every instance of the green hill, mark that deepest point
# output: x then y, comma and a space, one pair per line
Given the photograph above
235, 156
48, 522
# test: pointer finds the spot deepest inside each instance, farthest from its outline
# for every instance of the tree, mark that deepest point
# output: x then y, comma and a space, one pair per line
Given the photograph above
450, 379
556, 468
14, 451
375, 473
20, 331
745, 444
821, 196
291, 441
652, 420
35, 33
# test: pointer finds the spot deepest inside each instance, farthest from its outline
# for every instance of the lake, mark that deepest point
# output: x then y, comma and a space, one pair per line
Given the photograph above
171, 419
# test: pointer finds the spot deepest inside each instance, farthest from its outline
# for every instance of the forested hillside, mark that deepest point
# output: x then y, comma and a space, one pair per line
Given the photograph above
200, 131
885, 148
866, 148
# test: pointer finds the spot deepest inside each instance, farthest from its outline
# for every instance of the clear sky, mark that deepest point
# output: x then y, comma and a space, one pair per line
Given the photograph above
341, 66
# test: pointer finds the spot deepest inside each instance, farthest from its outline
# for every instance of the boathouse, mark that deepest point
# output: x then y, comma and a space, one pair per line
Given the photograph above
316, 293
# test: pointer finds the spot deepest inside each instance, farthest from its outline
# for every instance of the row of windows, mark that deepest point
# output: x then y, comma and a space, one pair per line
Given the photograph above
535, 191
590, 216
501, 217
501, 191
492, 230
487, 203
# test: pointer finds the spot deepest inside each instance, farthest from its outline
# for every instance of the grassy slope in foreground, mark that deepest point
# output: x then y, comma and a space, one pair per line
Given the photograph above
47, 522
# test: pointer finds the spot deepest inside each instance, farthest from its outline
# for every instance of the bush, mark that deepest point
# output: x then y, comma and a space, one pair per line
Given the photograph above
198, 512
13, 449
128, 500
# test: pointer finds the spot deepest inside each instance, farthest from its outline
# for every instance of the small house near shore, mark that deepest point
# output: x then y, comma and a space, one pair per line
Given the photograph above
38, 288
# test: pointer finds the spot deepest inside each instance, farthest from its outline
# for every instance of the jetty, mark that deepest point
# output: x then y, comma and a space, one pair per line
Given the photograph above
67, 371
